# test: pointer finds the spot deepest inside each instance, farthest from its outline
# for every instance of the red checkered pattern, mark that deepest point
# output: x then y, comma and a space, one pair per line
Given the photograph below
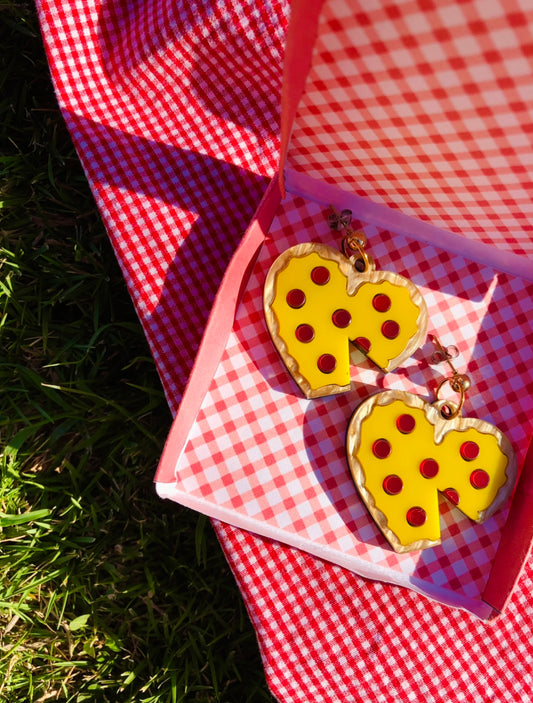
341, 639
158, 103
156, 96
426, 106
275, 462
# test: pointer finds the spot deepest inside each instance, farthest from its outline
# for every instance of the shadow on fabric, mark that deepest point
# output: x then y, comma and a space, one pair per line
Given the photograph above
225, 71
214, 228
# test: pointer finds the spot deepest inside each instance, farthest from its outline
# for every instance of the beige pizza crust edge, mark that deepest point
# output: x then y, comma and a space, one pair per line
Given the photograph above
442, 427
353, 282
462, 424
356, 280
353, 440
269, 294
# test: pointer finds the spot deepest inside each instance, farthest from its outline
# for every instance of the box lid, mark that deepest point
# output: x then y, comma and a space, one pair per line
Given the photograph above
424, 107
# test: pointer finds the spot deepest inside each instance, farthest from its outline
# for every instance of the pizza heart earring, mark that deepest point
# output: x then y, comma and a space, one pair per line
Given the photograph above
403, 451
318, 301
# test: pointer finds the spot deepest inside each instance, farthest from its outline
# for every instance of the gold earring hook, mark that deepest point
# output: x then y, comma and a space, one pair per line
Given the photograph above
354, 242
459, 382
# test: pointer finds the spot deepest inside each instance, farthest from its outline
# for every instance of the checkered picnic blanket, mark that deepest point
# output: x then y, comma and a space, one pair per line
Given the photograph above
174, 110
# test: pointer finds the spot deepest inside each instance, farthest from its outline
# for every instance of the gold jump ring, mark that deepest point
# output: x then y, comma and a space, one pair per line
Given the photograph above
459, 383
353, 244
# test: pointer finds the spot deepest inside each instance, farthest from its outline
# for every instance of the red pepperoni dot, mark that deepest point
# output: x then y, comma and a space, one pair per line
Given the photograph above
452, 495
392, 484
390, 329
327, 363
381, 302
341, 318
406, 423
429, 468
416, 516
479, 478
364, 344
320, 275
295, 298
469, 451
381, 448
305, 333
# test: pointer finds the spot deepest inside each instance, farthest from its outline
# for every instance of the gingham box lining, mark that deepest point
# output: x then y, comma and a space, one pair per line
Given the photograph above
261, 456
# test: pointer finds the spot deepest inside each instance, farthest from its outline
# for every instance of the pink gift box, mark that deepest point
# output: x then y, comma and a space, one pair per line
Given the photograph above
429, 153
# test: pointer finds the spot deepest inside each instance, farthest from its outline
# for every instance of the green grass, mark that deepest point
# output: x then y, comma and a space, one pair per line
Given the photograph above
107, 593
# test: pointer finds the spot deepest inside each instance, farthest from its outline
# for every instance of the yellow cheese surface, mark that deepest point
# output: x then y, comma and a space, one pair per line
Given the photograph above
407, 454
322, 301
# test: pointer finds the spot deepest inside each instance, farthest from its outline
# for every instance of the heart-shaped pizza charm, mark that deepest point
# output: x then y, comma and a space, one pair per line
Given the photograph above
402, 452
316, 303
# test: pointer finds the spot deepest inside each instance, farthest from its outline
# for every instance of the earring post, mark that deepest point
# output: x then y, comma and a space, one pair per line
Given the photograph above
443, 352
459, 382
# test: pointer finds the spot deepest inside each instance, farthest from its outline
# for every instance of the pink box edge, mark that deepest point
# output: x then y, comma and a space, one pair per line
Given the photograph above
217, 331
515, 542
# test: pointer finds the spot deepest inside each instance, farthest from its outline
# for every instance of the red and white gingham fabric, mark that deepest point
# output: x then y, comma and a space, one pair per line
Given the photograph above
173, 107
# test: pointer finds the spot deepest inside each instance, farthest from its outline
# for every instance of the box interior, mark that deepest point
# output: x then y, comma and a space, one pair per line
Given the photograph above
261, 456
